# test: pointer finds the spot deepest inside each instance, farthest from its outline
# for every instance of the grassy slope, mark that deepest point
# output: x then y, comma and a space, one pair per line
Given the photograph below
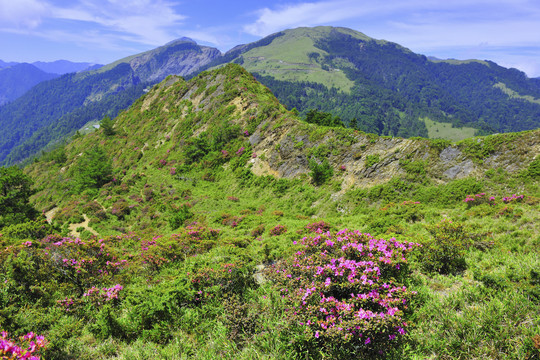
287, 59
437, 130
489, 310
513, 94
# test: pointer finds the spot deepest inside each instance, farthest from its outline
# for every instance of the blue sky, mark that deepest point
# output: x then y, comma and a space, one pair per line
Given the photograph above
102, 31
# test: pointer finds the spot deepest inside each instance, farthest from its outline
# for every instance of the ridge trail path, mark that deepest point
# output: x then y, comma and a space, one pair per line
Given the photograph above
73, 227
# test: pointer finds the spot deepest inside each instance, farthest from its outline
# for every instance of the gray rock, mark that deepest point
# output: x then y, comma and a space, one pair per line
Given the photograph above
449, 154
461, 170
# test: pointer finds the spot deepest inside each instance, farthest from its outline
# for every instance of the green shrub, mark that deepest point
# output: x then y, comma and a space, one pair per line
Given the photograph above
180, 216
372, 160
320, 172
534, 168
445, 251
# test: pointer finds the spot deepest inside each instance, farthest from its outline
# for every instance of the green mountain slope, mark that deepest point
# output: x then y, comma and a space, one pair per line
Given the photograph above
372, 85
225, 118
384, 88
17, 79
52, 110
197, 220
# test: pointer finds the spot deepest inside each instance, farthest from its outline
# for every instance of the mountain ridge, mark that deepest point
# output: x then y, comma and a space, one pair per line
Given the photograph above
225, 119
372, 85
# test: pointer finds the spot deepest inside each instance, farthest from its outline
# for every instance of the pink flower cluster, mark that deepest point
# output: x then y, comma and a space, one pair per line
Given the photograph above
66, 303
481, 198
105, 294
410, 202
476, 197
30, 343
343, 286
512, 198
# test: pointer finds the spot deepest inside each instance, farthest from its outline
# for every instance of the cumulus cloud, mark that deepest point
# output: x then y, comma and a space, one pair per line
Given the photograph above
152, 22
304, 14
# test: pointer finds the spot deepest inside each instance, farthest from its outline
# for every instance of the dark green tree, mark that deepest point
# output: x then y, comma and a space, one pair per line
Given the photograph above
93, 170
107, 126
15, 192
323, 118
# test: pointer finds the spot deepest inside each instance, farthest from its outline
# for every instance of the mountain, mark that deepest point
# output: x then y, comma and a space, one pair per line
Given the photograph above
62, 67
53, 109
208, 220
181, 57
225, 118
373, 85
15, 80
384, 88
4, 64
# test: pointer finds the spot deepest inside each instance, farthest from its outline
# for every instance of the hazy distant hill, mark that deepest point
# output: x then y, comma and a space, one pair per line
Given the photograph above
63, 66
4, 64
17, 79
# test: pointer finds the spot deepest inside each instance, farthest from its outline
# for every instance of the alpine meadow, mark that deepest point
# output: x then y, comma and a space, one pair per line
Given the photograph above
317, 194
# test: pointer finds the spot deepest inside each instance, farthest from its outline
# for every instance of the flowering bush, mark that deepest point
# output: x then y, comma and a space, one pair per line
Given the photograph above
278, 230
313, 227
230, 220
342, 291
257, 231
477, 199
99, 296
513, 198
29, 345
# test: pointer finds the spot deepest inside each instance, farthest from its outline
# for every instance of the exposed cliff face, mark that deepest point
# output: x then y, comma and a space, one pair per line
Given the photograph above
155, 68
364, 160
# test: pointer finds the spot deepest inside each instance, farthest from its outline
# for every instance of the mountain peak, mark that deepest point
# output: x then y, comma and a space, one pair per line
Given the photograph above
181, 40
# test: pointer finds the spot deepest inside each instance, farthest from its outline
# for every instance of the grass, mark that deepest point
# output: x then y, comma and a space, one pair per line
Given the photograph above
514, 95
488, 309
287, 59
437, 130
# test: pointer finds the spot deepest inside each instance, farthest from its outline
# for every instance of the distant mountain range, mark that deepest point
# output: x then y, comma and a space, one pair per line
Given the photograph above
381, 87
372, 85
18, 78
54, 109
58, 67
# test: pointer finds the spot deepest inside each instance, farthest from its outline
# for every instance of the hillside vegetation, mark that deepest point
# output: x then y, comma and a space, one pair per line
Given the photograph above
208, 221
54, 110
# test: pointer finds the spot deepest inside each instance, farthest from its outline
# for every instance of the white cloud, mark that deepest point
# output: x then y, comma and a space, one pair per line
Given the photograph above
146, 21
22, 14
305, 14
